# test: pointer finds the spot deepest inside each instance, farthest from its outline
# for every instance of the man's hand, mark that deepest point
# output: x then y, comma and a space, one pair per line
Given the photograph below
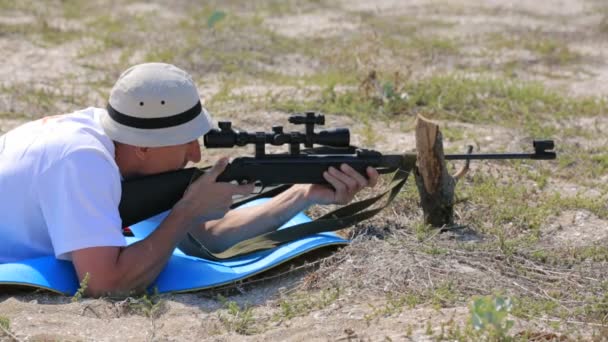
206, 199
346, 183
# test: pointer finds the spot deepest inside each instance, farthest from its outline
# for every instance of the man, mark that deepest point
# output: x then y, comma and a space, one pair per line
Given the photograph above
60, 181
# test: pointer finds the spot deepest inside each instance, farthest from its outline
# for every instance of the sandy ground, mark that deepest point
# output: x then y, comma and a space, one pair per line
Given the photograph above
41, 316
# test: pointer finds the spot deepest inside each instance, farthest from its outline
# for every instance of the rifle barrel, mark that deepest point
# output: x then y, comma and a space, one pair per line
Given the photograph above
542, 151
536, 156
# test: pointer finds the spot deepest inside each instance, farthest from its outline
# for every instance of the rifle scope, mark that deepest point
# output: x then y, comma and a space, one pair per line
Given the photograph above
226, 136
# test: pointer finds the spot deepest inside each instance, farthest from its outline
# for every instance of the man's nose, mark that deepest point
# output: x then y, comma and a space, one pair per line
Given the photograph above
194, 151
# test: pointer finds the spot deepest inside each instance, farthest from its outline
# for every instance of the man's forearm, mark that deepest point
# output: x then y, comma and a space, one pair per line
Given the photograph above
145, 259
134, 267
244, 223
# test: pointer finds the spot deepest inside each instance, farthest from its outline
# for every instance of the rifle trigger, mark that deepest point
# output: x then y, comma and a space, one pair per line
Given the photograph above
465, 168
258, 185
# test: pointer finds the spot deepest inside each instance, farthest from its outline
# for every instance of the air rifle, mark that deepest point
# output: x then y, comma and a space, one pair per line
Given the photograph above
150, 195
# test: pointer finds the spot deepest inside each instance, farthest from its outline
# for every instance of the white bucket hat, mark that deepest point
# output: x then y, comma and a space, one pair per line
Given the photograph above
155, 104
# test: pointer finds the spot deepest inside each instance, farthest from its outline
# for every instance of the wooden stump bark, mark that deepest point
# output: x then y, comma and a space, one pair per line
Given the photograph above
435, 185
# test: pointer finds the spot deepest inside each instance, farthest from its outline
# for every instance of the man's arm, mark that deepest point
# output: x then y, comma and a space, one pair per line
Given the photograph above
205, 203
121, 270
244, 223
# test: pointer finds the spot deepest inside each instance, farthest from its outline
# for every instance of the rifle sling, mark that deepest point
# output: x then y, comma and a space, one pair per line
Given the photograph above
335, 220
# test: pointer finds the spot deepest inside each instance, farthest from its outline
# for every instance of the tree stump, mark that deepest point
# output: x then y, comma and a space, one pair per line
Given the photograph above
435, 185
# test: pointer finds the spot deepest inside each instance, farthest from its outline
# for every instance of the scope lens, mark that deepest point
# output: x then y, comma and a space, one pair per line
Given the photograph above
217, 139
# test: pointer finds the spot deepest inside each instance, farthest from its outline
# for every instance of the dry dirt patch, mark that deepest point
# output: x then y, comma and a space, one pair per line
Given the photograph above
576, 228
319, 24
292, 65
25, 62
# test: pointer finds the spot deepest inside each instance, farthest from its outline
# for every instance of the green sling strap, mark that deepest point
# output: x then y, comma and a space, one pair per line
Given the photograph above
335, 220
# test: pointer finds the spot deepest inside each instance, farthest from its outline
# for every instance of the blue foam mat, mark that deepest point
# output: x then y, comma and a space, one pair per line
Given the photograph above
183, 273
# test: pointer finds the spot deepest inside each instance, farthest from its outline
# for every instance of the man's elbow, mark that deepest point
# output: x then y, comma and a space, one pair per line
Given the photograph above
109, 287
101, 274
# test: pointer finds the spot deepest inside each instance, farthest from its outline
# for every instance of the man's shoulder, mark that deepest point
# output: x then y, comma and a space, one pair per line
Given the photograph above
89, 116
76, 136
81, 130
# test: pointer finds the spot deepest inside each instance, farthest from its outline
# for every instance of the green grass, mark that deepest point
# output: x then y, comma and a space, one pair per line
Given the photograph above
584, 165
5, 323
40, 32
112, 31
201, 39
233, 45
549, 51
394, 304
553, 52
399, 36
519, 204
571, 256
35, 101
148, 305
507, 203
239, 319
5, 330
442, 295
527, 106
301, 304
243, 320
526, 307
445, 294
451, 133
84, 283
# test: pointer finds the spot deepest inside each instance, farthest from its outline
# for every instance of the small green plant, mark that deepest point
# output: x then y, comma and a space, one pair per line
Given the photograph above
147, 305
423, 231
239, 319
489, 317
5, 323
445, 294
5, 329
453, 332
429, 328
84, 283
409, 330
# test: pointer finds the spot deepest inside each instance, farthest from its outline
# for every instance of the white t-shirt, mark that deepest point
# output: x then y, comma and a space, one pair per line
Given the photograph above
59, 188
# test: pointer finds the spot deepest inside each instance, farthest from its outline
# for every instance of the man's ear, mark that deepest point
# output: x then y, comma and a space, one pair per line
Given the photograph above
142, 152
